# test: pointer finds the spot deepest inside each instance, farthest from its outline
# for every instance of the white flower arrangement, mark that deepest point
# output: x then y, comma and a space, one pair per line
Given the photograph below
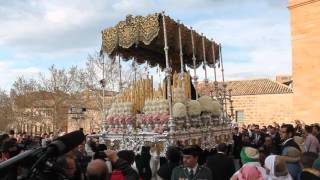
179, 110
194, 108
216, 108
206, 103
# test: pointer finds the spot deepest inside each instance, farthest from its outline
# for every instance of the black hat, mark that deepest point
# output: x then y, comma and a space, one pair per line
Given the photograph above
193, 150
145, 149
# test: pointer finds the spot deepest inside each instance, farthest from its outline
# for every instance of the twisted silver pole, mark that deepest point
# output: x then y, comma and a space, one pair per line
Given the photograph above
168, 74
223, 84
195, 78
205, 65
216, 88
103, 93
181, 62
120, 78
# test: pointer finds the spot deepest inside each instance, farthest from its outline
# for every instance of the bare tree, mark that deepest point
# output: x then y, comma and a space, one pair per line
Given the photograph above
23, 86
6, 113
64, 87
94, 78
23, 94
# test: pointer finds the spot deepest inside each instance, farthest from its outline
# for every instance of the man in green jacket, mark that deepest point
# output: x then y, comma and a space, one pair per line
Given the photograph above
191, 170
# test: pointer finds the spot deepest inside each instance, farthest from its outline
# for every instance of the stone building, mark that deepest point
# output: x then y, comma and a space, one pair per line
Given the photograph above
305, 30
33, 113
87, 111
43, 112
259, 101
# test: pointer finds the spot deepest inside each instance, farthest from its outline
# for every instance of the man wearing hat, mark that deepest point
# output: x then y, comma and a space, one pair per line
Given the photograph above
191, 170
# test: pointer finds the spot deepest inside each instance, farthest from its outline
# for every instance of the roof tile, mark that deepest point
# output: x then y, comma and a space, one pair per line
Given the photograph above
251, 87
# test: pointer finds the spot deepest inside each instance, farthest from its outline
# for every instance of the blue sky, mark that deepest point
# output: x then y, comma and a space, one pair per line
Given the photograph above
255, 34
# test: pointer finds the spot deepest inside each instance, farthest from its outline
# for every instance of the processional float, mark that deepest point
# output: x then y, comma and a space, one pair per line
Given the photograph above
172, 113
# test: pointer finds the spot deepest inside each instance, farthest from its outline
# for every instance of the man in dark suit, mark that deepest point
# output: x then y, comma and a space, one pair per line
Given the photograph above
258, 137
237, 146
276, 140
221, 166
173, 155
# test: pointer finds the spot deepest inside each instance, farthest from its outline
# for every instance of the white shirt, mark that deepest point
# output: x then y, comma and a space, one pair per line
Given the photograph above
155, 165
194, 169
220, 152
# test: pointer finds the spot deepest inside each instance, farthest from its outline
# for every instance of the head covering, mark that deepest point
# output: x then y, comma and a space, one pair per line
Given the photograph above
269, 164
316, 164
249, 154
249, 173
192, 150
277, 168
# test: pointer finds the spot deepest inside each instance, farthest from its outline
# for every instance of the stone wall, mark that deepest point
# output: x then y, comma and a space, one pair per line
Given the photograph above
264, 109
305, 24
90, 121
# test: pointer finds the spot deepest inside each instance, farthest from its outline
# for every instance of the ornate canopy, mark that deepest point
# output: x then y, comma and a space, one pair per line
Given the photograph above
142, 39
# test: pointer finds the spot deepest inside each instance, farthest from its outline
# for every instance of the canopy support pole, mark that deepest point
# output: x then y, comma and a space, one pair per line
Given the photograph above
168, 76
103, 92
120, 78
225, 114
181, 63
195, 78
205, 66
215, 73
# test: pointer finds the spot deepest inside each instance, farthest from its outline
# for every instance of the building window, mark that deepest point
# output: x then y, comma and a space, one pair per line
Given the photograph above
240, 116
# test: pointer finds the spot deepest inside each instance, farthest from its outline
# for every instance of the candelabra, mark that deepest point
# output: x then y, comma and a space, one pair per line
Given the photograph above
231, 104
223, 95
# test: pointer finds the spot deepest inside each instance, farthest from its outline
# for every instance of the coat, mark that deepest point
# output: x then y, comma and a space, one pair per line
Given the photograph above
221, 166
181, 172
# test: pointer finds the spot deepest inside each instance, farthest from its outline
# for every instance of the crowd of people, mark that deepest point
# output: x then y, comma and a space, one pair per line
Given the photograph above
285, 152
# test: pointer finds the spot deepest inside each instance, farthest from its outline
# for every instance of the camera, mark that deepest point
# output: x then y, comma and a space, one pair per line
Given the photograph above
41, 163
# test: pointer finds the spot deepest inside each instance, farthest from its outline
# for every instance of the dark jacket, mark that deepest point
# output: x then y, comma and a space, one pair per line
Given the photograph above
318, 137
143, 165
306, 175
237, 145
291, 143
261, 138
165, 171
202, 172
221, 166
128, 172
271, 150
276, 139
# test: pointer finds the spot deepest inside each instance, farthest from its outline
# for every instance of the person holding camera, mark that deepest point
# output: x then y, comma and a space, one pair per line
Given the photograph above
9, 150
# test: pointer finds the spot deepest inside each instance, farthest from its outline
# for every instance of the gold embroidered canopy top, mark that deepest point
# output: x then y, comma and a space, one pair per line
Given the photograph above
141, 38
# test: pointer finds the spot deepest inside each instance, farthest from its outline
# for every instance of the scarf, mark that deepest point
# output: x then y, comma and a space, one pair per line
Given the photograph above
249, 173
269, 164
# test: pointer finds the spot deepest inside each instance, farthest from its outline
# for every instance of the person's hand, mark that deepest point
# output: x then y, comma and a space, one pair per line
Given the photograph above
112, 155
234, 177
